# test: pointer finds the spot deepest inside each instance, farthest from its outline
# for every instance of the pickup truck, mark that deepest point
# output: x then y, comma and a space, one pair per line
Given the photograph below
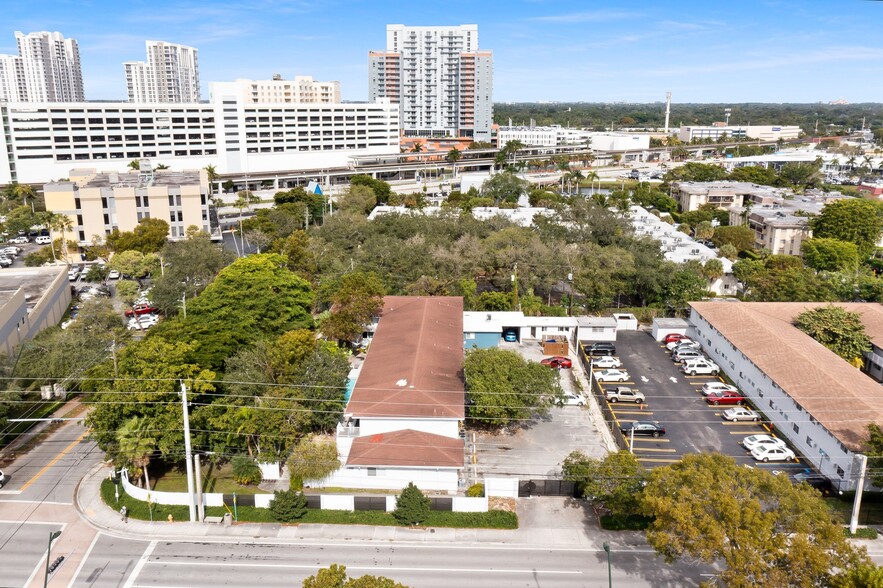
624, 394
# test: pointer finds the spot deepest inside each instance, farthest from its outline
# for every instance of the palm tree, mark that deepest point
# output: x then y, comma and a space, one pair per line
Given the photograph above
134, 165
212, 174
575, 176
246, 198
135, 445
453, 157
417, 148
48, 220
63, 223
160, 166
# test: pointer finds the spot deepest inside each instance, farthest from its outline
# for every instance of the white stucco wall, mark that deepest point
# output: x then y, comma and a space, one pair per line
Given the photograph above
445, 427
435, 479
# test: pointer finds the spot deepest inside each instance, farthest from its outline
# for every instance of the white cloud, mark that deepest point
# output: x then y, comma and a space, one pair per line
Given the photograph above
585, 16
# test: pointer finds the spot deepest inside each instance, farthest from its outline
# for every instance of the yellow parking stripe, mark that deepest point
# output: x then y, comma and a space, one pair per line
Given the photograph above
657, 450
736, 423
633, 411
653, 439
657, 459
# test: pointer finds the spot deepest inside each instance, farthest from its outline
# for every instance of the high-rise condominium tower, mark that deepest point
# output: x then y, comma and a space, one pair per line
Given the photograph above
170, 74
440, 79
46, 69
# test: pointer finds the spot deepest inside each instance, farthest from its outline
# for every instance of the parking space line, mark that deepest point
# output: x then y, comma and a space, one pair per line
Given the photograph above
633, 411
653, 440
735, 423
657, 459
658, 450
748, 432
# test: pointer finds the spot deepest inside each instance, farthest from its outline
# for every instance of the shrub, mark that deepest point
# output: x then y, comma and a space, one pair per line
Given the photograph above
632, 522
475, 491
412, 507
861, 533
288, 506
245, 470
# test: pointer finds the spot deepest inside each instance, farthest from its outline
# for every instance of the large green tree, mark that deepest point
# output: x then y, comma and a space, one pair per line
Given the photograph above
357, 297
188, 267
854, 220
830, 255
741, 237
148, 236
837, 329
504, 187
613, 482
336, 577
762, 528
504, 387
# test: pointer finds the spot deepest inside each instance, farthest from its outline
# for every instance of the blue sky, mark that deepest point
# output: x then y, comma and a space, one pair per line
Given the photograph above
633, 51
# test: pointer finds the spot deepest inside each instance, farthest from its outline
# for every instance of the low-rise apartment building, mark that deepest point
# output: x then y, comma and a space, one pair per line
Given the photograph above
98, 203
722, 194
31, 299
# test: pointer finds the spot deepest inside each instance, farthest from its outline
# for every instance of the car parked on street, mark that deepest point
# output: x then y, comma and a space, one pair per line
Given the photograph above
728, 397
753, 441
710, 387
772, 454
612, 375
624, 394
141, 309
558, 362
651, 428
700, 367
740, 414
607, 361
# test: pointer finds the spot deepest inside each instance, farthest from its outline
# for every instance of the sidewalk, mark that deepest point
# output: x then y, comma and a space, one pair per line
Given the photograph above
536, 517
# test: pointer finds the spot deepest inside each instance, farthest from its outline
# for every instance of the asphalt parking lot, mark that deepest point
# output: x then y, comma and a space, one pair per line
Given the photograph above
675, 400
536, 448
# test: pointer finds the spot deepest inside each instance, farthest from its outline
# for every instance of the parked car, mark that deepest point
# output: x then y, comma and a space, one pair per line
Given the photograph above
624, 394
5, 261
611, 375
510, 336
710, 387
606, 361
772, 454
753, 441
43, 240
73, 274
143, 322
740, 414
600, 348
818, 481
140, 309
673, 337
685, 354
683, 344
652, 428
113, 275
571, 399
3, 479
703, 367
728, 397
11, 251
20, 240
558, 362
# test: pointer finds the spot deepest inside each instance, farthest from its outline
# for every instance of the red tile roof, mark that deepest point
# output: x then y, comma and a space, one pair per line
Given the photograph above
840, 397
414, 366
407, 448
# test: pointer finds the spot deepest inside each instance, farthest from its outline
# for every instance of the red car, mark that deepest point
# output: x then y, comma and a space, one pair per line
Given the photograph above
557, 362
141, 309
675, 337
725, 397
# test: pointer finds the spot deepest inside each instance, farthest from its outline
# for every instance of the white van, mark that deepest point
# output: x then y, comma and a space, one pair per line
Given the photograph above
43, 240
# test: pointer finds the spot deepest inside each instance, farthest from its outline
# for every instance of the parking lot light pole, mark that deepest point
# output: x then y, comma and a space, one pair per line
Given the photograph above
609, 572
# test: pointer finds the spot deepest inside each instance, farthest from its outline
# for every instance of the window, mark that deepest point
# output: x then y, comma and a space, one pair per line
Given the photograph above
372, 472
795, 427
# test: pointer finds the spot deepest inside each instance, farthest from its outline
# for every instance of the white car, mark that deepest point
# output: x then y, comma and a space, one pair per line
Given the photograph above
571, 399
612, 376
43, 240
11, 251
739, 413
113, 275
710, 387
607, 361
5, 261
752, 442
682, 343
697, 367
21, 240
144, 320
772, 454
2, 479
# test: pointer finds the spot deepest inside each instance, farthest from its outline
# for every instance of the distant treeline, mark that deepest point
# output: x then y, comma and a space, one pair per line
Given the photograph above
832, 119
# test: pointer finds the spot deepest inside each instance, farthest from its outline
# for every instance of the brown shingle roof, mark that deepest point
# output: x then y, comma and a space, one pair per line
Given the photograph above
837, 395
407, 448
414, 366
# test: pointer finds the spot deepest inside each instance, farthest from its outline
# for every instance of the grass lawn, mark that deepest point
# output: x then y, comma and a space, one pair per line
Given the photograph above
214, 479
871, 512
495, 519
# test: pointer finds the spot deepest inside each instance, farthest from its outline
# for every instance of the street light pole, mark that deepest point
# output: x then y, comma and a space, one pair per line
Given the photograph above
52, 536
609, 572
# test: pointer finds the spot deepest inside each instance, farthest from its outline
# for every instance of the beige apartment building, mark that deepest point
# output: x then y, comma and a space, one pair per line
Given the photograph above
722, 194
31, 299
97, 203
300, 90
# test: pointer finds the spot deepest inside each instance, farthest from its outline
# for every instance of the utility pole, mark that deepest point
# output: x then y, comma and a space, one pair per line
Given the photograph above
52, 536
570, 294
859, 489
184, 302
515, 287
200, 507
188, 453
306, 217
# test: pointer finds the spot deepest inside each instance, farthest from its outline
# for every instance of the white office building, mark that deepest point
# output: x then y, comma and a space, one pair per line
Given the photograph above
557, 136
300, 90
45, 140
441, 79
170, 74
759, 132
46, 69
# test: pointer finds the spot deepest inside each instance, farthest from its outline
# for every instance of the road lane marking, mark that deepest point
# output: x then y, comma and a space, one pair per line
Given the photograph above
130, 581
83, 561
64, 452
366, 568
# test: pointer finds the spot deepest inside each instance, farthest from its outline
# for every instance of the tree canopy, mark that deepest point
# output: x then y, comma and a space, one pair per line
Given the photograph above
837, 329
854, 220
148, 236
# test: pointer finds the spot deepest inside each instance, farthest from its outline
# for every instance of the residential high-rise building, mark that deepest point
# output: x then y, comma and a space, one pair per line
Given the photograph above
170, 74
300, 90
12, 78
441, 80
46, 69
